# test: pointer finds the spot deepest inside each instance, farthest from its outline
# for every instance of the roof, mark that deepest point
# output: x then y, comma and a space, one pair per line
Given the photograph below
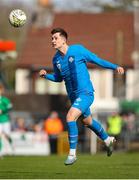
98, 32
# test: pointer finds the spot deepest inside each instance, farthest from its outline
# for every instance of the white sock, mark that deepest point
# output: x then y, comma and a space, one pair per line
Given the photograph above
108, 140
72, 152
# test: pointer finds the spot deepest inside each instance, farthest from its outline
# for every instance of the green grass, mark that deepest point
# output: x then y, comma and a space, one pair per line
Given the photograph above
119, 166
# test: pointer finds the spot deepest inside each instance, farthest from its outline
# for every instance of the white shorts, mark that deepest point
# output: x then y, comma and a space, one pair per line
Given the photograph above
5, 128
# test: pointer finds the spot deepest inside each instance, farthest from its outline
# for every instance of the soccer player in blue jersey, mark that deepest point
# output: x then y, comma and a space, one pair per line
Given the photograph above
69, 65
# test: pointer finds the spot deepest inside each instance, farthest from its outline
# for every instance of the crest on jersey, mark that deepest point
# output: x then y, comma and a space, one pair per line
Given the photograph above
71, 59
79, 99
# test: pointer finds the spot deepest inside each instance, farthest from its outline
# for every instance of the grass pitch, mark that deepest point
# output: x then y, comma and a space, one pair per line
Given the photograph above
119, 166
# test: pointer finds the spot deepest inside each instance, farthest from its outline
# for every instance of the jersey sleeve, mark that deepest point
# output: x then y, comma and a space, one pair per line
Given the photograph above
93, 58
56, 76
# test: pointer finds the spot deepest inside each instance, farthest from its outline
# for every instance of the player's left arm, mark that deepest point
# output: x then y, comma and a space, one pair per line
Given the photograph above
120, 70
7, 105
93, 58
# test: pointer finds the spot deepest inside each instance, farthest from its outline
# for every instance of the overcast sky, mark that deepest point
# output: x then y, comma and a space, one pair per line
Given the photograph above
69, 5
62, 2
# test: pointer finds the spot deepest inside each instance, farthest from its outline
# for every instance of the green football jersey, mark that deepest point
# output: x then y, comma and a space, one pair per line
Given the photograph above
5, 106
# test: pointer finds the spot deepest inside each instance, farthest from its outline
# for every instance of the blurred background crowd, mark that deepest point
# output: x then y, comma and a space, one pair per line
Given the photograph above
109, 28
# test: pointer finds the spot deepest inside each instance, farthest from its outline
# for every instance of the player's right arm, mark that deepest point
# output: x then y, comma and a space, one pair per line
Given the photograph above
56, 77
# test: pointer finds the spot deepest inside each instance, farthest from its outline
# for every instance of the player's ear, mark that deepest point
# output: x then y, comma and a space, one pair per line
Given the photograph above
64, 39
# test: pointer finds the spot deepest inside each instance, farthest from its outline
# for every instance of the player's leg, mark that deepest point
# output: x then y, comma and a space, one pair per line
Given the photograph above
79, 106
72, 116
96, 127
7, 132
1, 144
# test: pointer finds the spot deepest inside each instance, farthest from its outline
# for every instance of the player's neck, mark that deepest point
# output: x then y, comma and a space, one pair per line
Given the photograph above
63, 50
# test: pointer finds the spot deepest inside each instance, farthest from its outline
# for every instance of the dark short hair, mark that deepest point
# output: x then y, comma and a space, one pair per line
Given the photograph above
61, 31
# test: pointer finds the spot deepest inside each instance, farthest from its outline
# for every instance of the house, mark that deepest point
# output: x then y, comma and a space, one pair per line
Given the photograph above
109, 35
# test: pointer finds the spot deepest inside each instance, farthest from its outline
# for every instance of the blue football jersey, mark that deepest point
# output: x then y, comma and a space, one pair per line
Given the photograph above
72, 68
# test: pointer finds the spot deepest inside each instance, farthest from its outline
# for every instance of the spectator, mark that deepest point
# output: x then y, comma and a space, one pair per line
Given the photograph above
20, 125
129, 131
114, 125
39, 134
53, 126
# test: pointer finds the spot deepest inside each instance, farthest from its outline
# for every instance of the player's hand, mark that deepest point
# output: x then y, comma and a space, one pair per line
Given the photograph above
120, 70
42, 73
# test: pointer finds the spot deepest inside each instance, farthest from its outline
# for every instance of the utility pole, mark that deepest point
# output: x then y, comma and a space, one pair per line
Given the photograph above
119, 58
135, 54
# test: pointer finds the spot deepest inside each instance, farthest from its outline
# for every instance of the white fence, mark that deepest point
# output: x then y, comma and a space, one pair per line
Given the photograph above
28, 143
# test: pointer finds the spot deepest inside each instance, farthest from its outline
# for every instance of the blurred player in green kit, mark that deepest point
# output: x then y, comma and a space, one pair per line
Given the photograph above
5, 127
